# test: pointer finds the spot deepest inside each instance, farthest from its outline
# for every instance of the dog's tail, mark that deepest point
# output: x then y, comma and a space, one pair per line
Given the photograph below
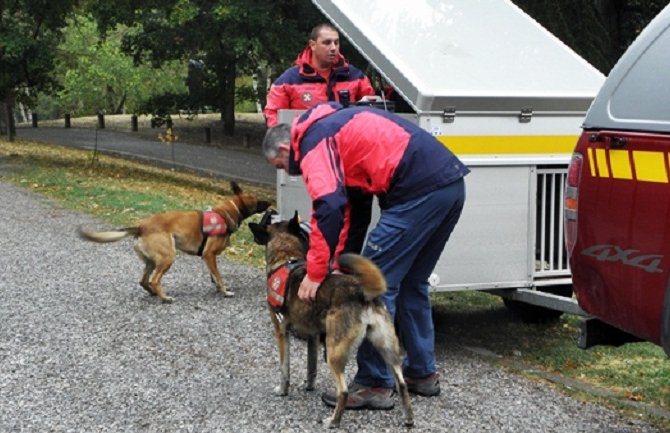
371, 277
108, 236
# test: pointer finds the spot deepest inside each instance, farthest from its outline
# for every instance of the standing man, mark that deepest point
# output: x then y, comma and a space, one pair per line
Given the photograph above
318, 75
421, 192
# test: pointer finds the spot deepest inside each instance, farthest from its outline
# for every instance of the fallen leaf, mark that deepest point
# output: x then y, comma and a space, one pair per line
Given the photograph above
634, 397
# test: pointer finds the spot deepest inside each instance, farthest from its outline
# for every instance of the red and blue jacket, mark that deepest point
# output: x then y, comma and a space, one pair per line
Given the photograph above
367, 149
301, 86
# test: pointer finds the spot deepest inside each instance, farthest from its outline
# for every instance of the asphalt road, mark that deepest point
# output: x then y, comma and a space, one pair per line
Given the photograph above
246, 165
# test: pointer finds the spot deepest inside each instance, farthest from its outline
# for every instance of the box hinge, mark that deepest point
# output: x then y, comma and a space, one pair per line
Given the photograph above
525, 115
449, 114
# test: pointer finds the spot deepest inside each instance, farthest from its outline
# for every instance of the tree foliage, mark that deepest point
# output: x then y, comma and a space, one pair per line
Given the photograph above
598, 30
95, 75
30, 31
230, 38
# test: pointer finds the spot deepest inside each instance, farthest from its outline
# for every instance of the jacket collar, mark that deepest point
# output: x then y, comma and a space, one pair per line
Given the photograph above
300, 126
307, 68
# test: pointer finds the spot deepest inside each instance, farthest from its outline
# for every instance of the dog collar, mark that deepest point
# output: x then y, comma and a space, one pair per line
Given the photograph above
236, 208
235, 221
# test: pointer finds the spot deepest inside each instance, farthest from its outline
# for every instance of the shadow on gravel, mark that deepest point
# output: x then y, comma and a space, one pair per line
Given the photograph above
494, 328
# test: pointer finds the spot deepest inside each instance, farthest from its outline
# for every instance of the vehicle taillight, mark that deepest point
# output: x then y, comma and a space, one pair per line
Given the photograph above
570, 204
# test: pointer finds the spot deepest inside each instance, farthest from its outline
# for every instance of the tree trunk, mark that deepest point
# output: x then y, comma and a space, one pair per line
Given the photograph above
23, 112
119, 107
228, 99
3, 118
261, 86
8, 106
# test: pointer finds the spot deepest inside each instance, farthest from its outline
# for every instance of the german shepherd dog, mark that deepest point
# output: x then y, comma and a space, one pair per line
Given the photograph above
161, 235
346, 310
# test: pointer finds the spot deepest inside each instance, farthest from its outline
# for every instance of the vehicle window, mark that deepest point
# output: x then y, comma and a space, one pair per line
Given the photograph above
643, 94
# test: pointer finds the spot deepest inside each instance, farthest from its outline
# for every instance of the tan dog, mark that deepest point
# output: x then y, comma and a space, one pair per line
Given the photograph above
161, 235
346, 310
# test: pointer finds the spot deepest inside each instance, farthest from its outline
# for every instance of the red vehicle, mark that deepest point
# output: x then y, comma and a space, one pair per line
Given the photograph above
617, 198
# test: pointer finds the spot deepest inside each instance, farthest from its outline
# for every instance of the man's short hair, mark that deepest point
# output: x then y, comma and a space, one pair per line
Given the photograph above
274, 137
316, 31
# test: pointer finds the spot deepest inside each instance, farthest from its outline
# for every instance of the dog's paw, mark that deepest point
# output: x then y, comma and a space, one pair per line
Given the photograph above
328, 422
281, 391
228, 294
167, 299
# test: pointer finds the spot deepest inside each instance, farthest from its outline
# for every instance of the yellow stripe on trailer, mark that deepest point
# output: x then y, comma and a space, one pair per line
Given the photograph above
509, 144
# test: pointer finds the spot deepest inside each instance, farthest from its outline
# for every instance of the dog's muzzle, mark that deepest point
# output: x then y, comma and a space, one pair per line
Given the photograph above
262, 206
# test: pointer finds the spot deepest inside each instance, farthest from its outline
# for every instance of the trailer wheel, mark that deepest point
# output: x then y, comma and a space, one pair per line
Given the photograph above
535, 314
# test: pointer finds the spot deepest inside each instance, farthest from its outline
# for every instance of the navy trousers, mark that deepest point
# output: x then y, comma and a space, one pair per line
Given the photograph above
406, 244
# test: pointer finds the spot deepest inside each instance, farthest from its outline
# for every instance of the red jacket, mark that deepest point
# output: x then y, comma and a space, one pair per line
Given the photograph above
301, 86
362, 148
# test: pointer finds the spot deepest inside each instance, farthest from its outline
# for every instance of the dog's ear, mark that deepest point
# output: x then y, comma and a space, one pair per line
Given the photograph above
236, 188
294, 225
260, 232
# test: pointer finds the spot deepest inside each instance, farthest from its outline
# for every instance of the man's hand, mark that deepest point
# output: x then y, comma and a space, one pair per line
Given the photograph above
307, 290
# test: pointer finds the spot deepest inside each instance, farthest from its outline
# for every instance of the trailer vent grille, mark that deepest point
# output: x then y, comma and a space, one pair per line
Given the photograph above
551, 258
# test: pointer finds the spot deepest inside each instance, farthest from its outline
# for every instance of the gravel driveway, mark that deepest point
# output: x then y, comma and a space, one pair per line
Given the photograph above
84, 349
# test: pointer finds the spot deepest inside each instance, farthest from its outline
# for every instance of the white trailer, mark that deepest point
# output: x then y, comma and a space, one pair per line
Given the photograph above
508, 98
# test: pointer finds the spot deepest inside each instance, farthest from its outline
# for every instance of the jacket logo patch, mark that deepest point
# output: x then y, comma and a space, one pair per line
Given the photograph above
307, 97
612, 253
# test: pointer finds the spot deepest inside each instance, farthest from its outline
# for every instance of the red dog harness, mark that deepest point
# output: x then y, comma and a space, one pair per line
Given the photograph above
213, 224
277, 283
